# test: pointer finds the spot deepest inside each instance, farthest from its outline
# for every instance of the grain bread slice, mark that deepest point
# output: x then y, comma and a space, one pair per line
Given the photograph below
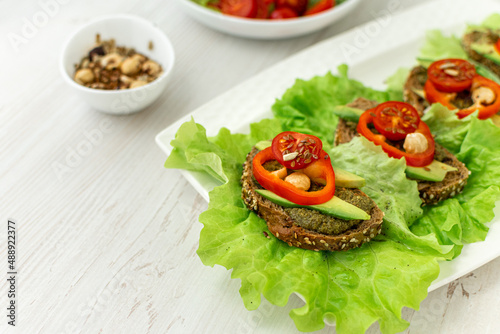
415, 83
430, 192
282, 226
485, 36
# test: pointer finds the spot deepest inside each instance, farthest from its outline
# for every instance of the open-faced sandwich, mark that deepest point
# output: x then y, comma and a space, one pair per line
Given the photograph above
482, 44
455, 84
398, 129
291, 184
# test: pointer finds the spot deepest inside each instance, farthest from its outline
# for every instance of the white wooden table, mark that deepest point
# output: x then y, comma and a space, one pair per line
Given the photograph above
108, 245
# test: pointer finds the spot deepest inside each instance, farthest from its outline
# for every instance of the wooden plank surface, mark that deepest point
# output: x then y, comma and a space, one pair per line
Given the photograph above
107, 242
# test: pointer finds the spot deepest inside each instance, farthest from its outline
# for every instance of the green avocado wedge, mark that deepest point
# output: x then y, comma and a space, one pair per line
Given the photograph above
262, 145
436, 171
334, 207
347, 179
348, 113
487, 51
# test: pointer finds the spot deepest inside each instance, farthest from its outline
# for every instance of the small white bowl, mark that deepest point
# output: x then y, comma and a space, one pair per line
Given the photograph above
129, 31
266, 29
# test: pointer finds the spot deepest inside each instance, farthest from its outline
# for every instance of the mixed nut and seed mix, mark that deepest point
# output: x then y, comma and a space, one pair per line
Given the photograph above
111, 67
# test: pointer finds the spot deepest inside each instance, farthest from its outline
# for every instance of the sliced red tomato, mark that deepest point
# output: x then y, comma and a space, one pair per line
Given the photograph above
296, 150
451, 75
283, 13
287, 190
298, 6
242, 8
264, 8
412, 159
395, 120
497, 46
320, 6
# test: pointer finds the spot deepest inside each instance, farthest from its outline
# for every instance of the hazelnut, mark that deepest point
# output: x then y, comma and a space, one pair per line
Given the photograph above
111, 61
299, 180
151, 67
84, 76
415, 143
137, 83
131, 66
85, 63
139, 57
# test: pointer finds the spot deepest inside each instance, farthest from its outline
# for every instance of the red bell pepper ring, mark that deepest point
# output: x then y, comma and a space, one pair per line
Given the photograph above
435, 96
288, 191
485, 111
412, 159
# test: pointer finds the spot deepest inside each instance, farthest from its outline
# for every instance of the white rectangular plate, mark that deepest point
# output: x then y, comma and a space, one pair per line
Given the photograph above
373, 52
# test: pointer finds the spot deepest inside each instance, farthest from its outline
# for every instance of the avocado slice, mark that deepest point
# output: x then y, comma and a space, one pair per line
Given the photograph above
334, 207
487, 51
436, 171
262, 145
348, 113
346, 179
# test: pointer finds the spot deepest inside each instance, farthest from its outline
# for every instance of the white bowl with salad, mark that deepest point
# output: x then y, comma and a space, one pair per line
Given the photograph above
267, 19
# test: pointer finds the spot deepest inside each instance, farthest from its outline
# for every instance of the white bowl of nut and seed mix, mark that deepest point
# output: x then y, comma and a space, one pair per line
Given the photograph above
118, 64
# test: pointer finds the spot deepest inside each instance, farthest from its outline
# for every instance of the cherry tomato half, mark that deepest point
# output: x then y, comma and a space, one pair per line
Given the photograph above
320, 6
283, 13
296, 150
394, 120
242, 8
298, 6
264, 8
451, 75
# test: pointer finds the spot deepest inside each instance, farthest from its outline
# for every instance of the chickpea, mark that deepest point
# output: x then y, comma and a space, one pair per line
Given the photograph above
415, 143
299, 180
483, 95
140, 58
84, 76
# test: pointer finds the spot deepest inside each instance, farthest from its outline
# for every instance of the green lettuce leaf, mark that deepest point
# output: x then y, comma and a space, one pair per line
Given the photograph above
438, 46
491, 22
396, 82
